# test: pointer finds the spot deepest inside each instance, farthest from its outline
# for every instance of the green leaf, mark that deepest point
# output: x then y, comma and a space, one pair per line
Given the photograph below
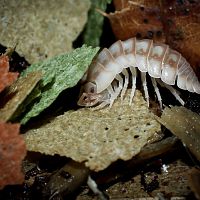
60, 73
94, 25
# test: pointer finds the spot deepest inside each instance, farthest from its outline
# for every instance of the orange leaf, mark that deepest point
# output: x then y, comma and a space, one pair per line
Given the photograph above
137, 20
12, 151
182, 28
6, 77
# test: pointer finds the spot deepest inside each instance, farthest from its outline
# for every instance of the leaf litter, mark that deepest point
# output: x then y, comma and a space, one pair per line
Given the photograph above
97, 138
186, 126
6, 77
101, 161
12, 152
94, 26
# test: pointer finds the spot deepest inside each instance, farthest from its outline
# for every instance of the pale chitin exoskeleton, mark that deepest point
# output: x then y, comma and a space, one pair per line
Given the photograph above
107, 76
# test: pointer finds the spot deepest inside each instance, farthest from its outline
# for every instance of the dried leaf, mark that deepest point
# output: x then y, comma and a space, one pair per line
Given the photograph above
6, 77
194, 181
97, 138
57, 182
119, 5
185, 124
181, 22
59, 73
134, 20
94, 25
12, 151
17, 94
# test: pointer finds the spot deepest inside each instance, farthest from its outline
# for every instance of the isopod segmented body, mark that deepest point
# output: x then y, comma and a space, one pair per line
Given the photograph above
107, 76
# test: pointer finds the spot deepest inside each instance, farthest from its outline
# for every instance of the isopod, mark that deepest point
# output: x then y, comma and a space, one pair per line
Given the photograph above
107, 76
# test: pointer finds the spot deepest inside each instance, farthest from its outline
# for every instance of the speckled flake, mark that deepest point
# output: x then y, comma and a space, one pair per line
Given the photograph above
97, 138
17, 93
41, 29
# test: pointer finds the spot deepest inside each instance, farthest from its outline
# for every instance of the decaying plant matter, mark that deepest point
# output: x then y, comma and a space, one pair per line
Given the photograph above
6, 77
12, 152
137, 20
194, 181
184, 124
110, 144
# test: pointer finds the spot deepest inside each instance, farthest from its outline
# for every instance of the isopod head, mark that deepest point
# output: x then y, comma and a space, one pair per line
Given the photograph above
89, 97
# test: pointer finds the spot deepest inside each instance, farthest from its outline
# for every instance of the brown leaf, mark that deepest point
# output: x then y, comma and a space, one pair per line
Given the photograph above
119, 5
185, 124
182, 28
6, 77
194, 181
12, 151
135, 20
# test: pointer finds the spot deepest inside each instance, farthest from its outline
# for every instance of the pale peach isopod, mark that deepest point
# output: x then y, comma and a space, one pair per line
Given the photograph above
107, 77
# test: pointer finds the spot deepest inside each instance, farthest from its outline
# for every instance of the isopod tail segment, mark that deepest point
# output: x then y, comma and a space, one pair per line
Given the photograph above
107, 76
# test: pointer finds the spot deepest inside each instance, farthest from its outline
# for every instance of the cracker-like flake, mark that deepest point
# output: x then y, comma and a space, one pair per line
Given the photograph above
97, 138
41, 29
17, 93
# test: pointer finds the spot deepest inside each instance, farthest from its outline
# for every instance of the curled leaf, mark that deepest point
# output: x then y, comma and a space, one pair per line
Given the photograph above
185, 124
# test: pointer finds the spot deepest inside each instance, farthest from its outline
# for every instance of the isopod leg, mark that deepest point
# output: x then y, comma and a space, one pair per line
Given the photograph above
144, 84
153, 80
120, 83
126, 77
101, 105
112, 95
134, 76
172, 90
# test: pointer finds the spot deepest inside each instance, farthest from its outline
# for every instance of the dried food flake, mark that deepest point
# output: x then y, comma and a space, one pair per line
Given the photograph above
16, 95
97, 138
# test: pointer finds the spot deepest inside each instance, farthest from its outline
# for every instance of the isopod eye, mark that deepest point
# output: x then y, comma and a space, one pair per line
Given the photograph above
90, 87
92, 90
85, 98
